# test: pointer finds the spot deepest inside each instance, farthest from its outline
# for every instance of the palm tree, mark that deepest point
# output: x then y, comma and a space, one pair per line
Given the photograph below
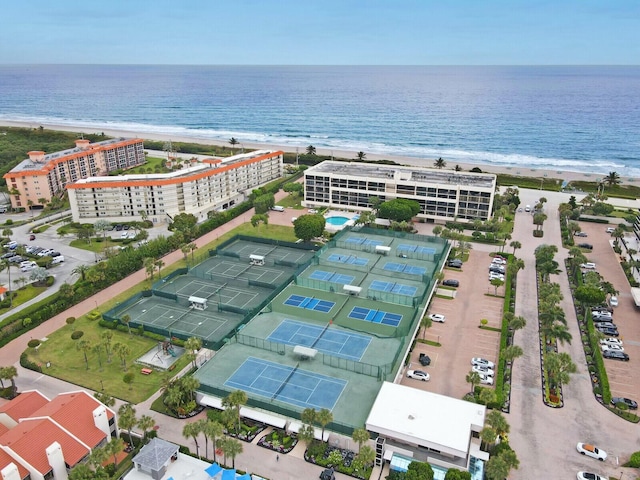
146, 423
113, 448
360, 436
425, 323
150, 266
495, 419
214, 430
159, 264
612, 179
311, 150
127, 418
5, 265
85, 346
517, 323
106, 337
10, 373
306, 434
440, 163
82, 271
559, 366
126, 319
473, 379
232, 448
511, 352
324, 417
192, 430
361, 155
192, 345
366, 455
233, 142
235, 400
515, 244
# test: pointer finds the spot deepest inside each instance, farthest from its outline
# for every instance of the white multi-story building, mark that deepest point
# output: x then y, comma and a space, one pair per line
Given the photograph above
442, 194
211, 185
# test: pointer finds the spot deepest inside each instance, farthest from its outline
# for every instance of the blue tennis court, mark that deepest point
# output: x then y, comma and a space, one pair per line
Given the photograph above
404, 247
375, 316
286, 384
404, 268
349, 259
333, 277
398, 288
363, 241
309, 303
325, 340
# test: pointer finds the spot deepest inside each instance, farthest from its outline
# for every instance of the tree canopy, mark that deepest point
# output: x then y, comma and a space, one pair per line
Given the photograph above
307, 227
399, 210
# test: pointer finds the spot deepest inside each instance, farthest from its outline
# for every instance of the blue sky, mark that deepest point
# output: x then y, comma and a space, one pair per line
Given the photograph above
329, 32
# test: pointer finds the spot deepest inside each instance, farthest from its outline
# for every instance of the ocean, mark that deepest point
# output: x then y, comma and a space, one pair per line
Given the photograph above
580, 118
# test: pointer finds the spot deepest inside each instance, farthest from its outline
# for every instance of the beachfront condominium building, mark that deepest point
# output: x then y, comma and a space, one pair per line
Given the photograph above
443, 195
36, 180
213, 184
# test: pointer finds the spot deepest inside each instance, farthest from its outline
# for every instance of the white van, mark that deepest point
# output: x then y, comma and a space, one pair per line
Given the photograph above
58, 259
28, 266
278, 208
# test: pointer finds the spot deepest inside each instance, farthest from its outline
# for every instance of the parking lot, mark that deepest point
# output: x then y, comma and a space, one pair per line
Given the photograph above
460, 335
624, 377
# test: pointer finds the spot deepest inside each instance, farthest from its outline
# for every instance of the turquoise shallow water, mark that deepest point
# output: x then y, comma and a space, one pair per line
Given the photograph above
337, 221
571, 117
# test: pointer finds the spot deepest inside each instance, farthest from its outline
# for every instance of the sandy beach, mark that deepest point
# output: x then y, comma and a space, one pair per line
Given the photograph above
565, 175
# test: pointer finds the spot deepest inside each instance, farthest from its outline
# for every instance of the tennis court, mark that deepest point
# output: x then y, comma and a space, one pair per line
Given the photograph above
406, 247
328, 340
286, 384
404, 268
309, 303
375, 316
332, 277
186, 286
392, 287
219, 268
348, 259
154, 312
245, 248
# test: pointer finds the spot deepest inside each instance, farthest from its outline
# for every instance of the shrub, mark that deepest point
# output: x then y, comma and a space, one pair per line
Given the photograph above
26, 363
77, 334
634, 461
33, 343
9, 222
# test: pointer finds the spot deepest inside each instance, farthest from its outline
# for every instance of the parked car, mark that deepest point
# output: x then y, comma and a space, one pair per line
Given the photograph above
588, 265
590, 476
9, 255
485, 379
118, 227
27, 267
455, 263
437, 317
418, 375
126, 226
586, 246
58, 259
44, 253
631, 404
612, 348
609, 332
601, 315
124, 235
451, 283
481, 362
613, 301
498, 261
327, 474
483, 370
54, 254
610, 229
615, 355
605, 324
610, 341
424, 360
16, 259
499, 276
32, 237
591, 451
581, 234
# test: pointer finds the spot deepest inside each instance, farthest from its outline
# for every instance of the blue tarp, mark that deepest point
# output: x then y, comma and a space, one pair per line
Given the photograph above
246, 476
213, 469
229, 474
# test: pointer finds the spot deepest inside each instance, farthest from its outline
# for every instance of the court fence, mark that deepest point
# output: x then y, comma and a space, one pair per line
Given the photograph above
278, 409
114, 314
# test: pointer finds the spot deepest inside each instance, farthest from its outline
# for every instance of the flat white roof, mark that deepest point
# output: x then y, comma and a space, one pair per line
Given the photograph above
425, 418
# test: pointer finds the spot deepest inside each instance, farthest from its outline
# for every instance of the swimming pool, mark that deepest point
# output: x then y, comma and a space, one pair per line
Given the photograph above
337, 220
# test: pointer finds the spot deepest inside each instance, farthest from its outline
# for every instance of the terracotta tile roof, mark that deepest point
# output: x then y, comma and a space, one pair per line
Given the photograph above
30, 439
6, 459
24, 405
73, 411
3, 430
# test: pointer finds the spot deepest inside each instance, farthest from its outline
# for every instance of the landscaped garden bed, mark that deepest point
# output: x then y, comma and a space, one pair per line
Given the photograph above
279, 441
342, 460
249, 430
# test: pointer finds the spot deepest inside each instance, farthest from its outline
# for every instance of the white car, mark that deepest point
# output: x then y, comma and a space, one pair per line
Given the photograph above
499, 261
499, 276
601, 315
588, 265
485, 379
481, 362
611, 348
591, 451
590, 476
483, 370
613, 301
611, 341
418, 375
437, 317
610, 229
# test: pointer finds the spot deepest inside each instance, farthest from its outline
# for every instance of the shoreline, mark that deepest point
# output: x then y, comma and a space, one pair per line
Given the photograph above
560, 174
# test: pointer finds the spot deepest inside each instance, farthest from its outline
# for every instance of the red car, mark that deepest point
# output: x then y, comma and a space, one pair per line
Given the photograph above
32, 237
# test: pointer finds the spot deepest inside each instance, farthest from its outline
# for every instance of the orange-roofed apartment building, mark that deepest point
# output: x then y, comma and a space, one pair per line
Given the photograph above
42, 439
210, 185
42, 176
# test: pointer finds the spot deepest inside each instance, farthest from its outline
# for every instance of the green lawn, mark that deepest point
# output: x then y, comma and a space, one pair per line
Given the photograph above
291, 201
25, 294
67, 362
152, 165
